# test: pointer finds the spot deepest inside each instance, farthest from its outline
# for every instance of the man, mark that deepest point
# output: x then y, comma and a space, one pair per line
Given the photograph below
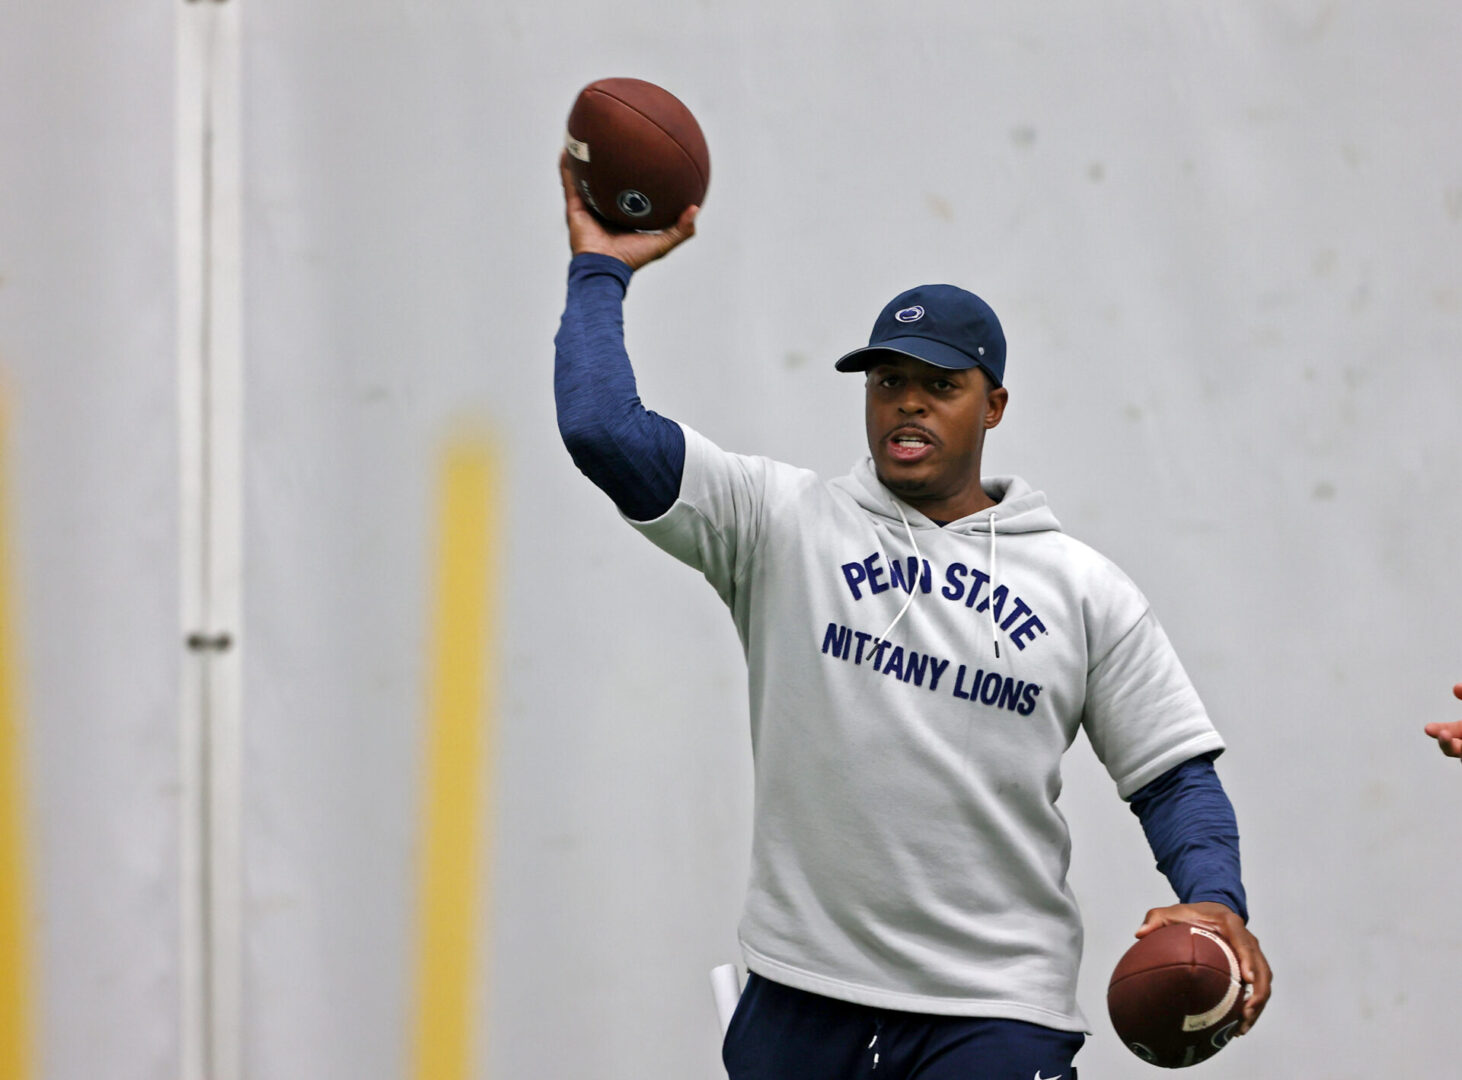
1448, 736
922, 645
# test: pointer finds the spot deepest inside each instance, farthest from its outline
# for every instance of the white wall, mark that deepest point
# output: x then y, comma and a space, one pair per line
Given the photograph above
1224, 240
87, 357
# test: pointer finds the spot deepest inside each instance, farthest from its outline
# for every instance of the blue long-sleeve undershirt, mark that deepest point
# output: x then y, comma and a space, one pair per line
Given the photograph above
1190, 826
637, 457
633, 455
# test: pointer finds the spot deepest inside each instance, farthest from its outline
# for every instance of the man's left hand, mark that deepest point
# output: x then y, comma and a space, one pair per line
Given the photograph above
1224, 922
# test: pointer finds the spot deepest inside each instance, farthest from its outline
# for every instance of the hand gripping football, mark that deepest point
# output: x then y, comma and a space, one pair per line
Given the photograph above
636, 154
1176, 996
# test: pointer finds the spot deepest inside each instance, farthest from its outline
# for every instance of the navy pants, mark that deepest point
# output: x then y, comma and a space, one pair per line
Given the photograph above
779, 1033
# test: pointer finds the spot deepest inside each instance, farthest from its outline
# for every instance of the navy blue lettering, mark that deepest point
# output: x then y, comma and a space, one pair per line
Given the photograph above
978, 579
895, 663
923, 669
1028, 699
1021, 608
874, 573
906, 575
956, 588
936, 669
878, 646
855, 574
837, 640
998, 596
1027, 631
959, 683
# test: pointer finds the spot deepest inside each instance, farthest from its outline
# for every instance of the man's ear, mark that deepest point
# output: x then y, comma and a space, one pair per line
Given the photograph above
995, 408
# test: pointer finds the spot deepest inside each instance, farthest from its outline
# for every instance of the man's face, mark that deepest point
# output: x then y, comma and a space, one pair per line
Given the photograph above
926, 429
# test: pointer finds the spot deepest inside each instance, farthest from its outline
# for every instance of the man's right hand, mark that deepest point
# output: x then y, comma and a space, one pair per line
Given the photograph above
1448, 736
588, 234
1223, 921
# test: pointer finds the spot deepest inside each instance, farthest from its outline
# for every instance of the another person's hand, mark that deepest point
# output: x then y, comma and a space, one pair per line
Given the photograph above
1253, 967
1449, 736
588, 234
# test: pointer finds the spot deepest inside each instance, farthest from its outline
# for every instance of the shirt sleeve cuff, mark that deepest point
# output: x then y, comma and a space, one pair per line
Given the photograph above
592, 264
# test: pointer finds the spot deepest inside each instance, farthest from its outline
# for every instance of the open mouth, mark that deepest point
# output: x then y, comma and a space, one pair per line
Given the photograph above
909, 444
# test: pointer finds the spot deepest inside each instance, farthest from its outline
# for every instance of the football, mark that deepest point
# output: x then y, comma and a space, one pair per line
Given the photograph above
636, 154
1176, 996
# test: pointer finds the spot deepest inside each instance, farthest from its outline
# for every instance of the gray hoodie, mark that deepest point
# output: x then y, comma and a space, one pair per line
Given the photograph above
913, 688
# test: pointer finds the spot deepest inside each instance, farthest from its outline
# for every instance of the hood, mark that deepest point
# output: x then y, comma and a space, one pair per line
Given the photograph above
1019, 508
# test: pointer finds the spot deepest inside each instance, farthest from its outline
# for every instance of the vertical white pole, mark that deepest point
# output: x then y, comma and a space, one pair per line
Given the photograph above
210, 403
726, 992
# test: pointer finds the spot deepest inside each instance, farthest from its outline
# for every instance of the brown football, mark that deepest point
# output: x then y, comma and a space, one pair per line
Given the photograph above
1176, 996
636, 154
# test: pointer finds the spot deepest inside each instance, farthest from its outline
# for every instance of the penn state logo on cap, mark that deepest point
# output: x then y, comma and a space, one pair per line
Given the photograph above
942, 325
634, 203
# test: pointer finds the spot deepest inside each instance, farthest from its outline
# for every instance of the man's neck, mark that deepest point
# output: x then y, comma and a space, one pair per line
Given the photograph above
945, 510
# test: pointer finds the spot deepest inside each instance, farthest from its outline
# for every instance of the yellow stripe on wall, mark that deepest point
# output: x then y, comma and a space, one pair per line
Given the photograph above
15, 944
459, 750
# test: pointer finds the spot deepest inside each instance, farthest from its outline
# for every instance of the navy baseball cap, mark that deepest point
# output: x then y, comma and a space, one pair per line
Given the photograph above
942, 325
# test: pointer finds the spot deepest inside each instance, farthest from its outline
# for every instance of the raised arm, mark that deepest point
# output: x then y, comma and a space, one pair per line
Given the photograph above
635, 456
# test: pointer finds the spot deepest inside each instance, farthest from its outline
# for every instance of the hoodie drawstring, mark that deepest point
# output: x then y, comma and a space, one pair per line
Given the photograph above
918, 564
994, 638
914, 583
